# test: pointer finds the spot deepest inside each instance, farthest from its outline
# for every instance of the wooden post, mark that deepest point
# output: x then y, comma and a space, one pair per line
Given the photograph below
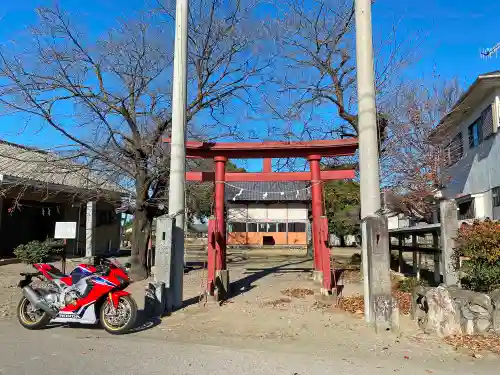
437, 256
400, 257
414, 244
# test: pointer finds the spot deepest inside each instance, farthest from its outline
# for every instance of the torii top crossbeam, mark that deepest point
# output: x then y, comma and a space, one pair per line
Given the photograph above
259, 150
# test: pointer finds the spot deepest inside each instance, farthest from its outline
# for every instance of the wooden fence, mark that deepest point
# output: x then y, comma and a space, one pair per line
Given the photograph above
441, 244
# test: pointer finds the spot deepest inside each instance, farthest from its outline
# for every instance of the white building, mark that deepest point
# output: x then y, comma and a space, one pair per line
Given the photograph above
268, 213
472, 149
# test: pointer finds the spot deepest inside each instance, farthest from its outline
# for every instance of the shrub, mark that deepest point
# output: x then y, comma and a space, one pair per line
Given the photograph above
409, 283
479, 243
355, 259
33, 252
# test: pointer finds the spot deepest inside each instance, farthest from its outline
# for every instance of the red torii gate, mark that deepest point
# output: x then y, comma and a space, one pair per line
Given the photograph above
313, 151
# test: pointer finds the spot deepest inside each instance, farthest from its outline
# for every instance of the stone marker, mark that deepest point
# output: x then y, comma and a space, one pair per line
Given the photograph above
383, 308
157, 301
449, 229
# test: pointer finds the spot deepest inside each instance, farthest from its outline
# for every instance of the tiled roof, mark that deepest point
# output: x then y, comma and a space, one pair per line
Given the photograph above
26, 164
268, 191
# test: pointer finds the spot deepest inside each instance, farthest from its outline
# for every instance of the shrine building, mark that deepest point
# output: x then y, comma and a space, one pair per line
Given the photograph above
274, 213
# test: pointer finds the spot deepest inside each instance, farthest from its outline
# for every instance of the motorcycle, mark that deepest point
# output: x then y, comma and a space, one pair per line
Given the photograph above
89, 294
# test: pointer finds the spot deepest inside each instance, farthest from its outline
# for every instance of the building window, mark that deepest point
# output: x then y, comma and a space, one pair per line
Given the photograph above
262, 227
272, 227
475, 133
237, 227
454, 150
252, 228
496, 196
282, 227
296, 227
487, 121
466, 210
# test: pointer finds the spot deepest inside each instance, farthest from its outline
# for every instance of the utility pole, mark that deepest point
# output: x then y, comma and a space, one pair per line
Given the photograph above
367, 130
176, 196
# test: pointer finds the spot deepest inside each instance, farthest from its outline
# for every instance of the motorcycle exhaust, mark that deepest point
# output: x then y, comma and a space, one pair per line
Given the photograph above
37, 301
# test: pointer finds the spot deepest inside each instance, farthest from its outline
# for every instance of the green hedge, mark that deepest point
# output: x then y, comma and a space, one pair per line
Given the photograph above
37, 252
480, 243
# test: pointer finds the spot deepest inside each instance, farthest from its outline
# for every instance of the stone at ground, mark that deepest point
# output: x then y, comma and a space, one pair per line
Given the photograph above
483, 300
442, 317
482, 326
478, 310
466, 313
495, 298
495, 317
469, 327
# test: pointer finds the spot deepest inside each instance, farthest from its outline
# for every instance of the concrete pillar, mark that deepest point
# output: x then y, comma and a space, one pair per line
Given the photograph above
177, 180
317, 207
160, 297
222, 275
90, 221
367, 127
383, 308
449, 228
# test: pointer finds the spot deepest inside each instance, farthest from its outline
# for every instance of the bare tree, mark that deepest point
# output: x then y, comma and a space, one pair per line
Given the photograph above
318, 46
110, 98
413, 162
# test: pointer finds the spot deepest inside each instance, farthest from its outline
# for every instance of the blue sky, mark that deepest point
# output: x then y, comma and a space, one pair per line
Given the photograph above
450, 33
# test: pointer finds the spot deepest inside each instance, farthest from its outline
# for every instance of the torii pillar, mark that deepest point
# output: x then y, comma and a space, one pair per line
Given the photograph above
316, 206
218, 275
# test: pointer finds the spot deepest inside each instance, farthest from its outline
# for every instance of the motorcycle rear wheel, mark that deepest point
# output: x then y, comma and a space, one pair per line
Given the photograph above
120, 321
29, 317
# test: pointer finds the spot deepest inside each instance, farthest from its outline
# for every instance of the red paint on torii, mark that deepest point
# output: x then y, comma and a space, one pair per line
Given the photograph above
342, 174
260, 150
312, 150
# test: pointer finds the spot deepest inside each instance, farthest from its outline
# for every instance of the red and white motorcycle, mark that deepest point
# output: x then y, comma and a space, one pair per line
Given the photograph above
87, 295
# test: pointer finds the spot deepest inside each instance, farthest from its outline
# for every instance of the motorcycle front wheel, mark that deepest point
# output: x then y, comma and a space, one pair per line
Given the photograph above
120, 320
30, 317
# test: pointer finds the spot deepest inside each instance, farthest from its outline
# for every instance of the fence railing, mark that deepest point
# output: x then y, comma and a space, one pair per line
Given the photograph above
440, 245
418, 247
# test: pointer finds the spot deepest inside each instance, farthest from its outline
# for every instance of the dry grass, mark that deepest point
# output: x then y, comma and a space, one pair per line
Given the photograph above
280, 302
356, 304
475, 343
297, 292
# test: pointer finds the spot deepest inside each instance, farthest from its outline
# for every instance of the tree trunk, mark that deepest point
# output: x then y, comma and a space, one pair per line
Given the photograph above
141, 232
342, 241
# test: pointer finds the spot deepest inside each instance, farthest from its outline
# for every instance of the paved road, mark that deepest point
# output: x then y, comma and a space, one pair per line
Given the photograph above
77, 351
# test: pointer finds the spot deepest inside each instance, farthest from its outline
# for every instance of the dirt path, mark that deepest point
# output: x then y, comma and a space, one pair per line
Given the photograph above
264, 313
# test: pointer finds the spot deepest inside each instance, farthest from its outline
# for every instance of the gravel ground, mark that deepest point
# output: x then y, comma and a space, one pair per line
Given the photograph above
275, 305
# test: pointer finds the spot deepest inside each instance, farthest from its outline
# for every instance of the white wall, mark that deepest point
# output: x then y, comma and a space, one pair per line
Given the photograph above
237, 212
479, 169
297, 211
275, 211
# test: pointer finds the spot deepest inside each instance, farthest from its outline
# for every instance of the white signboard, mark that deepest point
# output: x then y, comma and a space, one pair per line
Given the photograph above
65, 230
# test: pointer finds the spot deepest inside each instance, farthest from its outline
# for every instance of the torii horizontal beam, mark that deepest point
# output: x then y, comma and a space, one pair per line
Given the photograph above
340, 174
259, 150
